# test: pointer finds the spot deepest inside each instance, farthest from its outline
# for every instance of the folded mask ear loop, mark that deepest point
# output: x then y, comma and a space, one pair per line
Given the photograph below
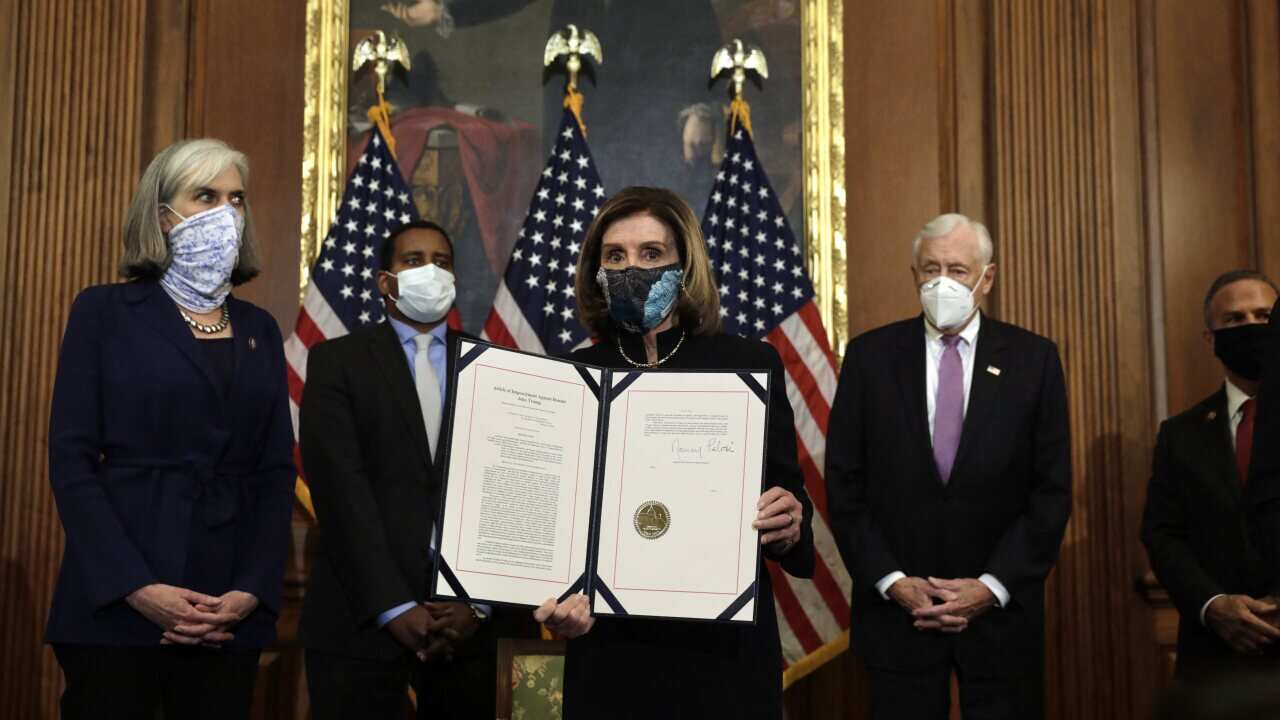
176, 214
393, 298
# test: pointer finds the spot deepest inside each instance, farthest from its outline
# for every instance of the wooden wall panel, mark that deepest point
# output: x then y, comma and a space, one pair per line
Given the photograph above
246, 68
1263, 21
1070, 249
71, 167
1204, 165
893, 156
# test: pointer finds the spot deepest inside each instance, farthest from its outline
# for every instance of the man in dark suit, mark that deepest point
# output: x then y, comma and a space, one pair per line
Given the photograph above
370, 427
1194, 524
949, 483
1263, 492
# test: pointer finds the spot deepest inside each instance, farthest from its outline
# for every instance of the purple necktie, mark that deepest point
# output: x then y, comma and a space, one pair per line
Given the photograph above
948, 417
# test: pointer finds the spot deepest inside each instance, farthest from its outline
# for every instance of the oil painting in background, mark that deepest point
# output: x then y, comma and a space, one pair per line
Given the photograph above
474, 119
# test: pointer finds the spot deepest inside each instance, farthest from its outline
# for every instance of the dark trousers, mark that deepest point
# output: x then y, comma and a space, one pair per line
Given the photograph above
344, 687
164, 681
926, 694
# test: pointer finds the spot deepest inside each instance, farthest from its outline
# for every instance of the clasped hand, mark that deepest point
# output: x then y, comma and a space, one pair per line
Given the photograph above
434, 630
1247, 624
943, 605
191, 618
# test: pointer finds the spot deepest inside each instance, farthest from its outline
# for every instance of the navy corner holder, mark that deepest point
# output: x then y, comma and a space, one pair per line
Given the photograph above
747, 596
591, 382
452, 580
623, 384
577, 586
755, 387
603, 591
470, 356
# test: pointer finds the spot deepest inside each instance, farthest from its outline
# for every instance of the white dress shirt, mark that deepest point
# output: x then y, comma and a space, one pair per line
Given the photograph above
1235, 413
933, 358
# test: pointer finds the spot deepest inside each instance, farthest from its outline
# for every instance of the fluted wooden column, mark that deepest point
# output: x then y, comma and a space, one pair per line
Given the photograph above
71, 161
1065, 166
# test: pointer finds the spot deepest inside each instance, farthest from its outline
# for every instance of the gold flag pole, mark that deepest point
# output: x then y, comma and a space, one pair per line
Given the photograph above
573, 44
736, 59
382, 51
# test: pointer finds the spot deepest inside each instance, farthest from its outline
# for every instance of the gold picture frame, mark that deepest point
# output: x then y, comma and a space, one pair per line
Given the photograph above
822, 54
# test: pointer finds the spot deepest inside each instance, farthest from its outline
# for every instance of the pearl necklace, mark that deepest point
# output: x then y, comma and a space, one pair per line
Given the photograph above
650, 364
213, 329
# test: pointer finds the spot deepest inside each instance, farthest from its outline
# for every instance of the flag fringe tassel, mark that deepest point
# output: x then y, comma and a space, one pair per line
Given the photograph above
303, 493
573, 100
380, 115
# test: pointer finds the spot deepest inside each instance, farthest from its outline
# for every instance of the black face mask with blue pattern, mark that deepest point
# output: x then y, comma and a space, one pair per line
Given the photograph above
639, 299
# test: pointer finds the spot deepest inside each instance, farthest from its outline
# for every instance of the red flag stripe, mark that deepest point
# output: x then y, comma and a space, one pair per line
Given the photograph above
513, 319
307, 331
813, 320
799, 373
295, 385
495, 331
790, 609
816, 360
813, 482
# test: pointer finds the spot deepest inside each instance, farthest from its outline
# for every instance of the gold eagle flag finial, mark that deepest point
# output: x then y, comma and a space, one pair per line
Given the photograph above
737, 58
382, 51
572, 43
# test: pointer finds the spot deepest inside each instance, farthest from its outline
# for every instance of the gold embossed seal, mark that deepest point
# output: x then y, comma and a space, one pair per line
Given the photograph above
652, 519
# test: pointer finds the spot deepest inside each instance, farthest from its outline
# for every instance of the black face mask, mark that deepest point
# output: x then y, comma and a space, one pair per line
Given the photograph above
1241, 349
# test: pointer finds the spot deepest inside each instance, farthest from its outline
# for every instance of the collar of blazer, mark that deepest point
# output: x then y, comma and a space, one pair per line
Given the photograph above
158, 310
384, 344
988, 352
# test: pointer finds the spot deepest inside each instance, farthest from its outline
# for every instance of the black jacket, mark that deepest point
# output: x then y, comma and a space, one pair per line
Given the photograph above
159, 478
376, 490
1003, 512
1194, 525
1263, 492
638, 668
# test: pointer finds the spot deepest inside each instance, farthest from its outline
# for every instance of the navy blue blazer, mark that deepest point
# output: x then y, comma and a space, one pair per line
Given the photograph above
158, 477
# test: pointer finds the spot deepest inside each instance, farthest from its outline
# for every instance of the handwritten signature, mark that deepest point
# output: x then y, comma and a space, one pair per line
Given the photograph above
713, 446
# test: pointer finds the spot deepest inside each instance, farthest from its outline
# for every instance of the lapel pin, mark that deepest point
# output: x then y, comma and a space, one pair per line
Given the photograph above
253, 344
993, 370
1210, 417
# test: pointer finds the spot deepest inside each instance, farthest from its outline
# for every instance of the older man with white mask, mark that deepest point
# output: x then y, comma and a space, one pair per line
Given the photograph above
949, 482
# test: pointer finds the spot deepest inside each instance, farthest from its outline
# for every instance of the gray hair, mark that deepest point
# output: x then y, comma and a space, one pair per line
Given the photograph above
944, 225
181, 166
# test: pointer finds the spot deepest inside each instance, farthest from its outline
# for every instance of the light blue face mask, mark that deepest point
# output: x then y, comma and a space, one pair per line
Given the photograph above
639, 299
203, 250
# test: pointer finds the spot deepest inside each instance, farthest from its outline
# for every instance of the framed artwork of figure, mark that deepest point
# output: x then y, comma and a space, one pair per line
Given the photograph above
475, 114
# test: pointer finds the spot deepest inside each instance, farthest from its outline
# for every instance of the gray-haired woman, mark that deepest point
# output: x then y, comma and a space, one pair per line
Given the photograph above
170, 458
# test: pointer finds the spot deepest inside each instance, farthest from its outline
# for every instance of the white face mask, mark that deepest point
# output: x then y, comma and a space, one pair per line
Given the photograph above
949, 303
426, 293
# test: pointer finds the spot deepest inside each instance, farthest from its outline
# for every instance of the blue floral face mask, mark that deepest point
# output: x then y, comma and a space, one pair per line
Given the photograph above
203, 250
640, 299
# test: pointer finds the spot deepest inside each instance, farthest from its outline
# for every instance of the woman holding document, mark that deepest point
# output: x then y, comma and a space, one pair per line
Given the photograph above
645, 289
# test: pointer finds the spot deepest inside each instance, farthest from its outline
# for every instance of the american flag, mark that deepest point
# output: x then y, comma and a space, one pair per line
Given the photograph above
765, 293
343, 292
534, 309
